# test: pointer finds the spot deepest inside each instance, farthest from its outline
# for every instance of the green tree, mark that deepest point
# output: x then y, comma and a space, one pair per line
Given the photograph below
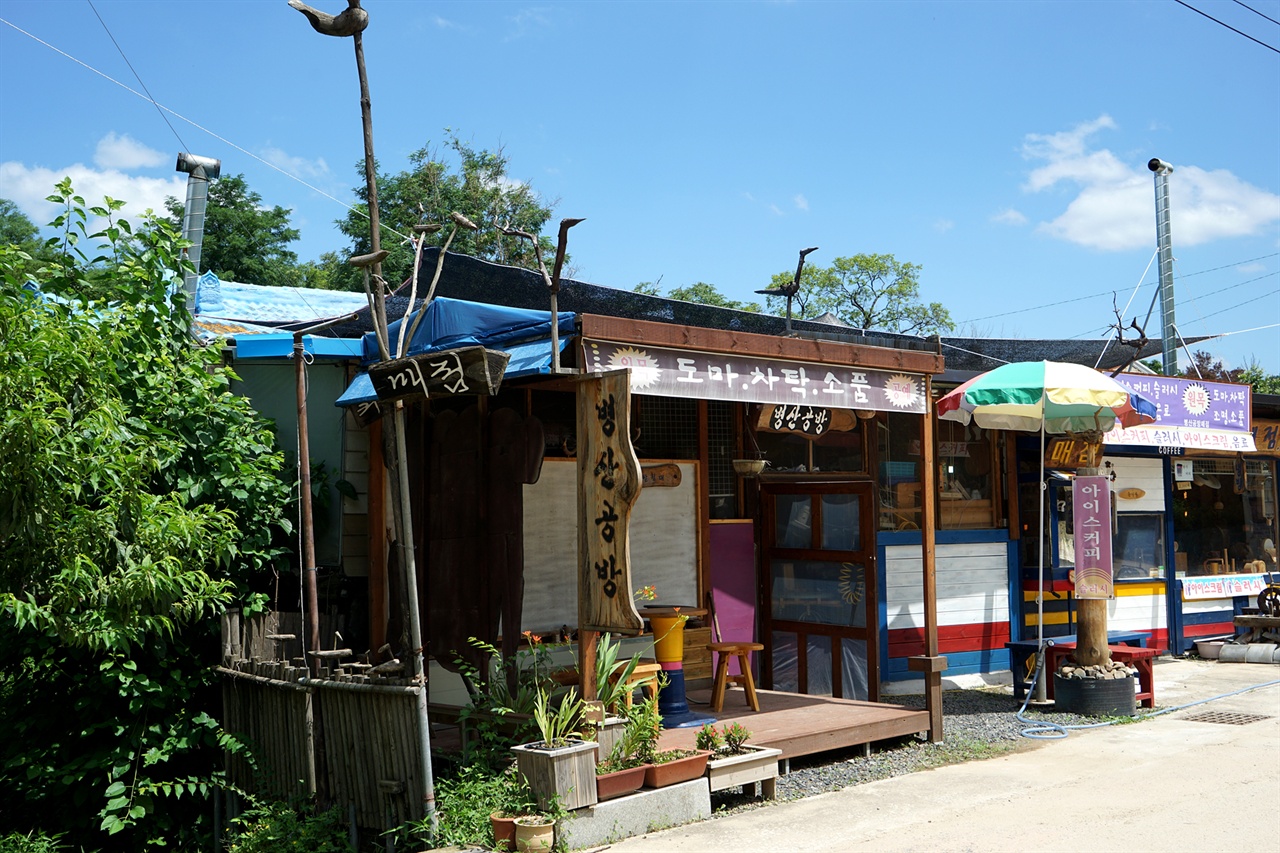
1254, 374
138, 498
429, 191
16, 229
243, 240
699, 292
867, 292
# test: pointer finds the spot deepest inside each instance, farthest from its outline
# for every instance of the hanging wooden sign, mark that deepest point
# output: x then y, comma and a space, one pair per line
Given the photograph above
609, 482
663, 474
469, 370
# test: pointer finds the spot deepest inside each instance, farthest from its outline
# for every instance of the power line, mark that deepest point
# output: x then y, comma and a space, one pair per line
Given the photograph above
136, 76
1238, 304
1110, 292
201, 127
1256, 12
1228, 26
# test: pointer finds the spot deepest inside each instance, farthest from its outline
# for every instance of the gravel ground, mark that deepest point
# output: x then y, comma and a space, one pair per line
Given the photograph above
979, 723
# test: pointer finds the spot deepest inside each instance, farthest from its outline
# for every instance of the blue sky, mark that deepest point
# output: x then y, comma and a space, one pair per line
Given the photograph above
1002, 146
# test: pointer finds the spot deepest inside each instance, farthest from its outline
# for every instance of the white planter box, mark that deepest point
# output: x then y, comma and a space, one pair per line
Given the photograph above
759, 764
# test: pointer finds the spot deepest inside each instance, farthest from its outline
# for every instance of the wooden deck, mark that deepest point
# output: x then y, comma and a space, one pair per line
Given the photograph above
802, 725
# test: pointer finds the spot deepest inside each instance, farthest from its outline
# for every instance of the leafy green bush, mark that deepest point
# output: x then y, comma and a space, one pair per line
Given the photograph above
276, 827
464, 802
32, 842
138, 499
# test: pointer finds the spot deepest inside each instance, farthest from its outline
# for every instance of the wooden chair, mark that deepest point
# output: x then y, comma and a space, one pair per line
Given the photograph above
644, 676
724, 652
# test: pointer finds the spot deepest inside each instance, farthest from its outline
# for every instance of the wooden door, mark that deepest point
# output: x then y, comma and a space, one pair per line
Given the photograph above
818, 590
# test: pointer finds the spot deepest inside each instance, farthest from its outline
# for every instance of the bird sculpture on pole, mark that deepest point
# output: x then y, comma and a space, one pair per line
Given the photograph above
790, 290
348, 22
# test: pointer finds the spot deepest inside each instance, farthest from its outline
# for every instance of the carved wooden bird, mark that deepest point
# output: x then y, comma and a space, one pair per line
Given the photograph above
790, 290
348, 22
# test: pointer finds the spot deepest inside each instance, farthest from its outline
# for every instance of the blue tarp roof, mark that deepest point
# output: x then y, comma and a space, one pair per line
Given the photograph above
454, 323
265, 305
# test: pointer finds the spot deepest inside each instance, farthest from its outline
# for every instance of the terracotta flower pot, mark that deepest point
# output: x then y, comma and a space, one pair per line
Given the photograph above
504, 831
620, 782
674, 772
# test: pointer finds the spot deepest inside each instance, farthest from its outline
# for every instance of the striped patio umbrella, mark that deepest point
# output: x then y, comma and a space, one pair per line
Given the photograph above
1052, 396
1045, 397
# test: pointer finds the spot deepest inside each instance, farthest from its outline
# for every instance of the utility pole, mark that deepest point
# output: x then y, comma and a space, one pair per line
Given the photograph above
1164, 247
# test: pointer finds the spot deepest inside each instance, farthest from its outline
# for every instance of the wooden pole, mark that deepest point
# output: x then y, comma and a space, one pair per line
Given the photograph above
930, 663
352, 22
1091, 616
308, 567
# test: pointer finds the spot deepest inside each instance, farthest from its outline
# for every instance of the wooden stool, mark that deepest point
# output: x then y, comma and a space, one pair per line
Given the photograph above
742, 651
644, 676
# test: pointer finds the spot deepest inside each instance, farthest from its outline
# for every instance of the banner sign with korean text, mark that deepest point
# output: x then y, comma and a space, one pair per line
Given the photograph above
1191, 414
747, 379
1222, 586
609, 482
1091, 505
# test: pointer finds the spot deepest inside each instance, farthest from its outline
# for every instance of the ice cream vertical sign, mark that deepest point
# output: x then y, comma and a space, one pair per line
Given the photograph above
1091, 505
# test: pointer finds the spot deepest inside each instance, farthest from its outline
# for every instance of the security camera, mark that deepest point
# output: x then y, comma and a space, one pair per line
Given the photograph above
190, 162
1155, 164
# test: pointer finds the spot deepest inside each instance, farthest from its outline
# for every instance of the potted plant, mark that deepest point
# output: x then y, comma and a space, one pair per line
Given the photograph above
667, 766
623, 770
561, 766
513, 799
619, 774
735, 762
613, 679
535, 832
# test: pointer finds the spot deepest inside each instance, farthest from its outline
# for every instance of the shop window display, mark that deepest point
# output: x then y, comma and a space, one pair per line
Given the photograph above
1224, 523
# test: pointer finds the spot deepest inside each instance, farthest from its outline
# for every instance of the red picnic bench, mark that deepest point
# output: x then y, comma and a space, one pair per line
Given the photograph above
1139, 658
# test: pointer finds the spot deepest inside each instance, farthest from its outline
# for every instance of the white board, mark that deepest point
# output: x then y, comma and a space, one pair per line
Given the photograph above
664, 544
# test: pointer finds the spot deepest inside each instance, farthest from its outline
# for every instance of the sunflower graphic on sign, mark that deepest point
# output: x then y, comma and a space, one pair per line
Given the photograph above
902, 391
644, 367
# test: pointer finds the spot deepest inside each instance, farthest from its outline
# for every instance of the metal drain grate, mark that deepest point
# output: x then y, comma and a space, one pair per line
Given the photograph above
1226, 718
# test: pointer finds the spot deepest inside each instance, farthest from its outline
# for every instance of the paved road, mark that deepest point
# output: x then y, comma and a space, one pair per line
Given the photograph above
1166, 784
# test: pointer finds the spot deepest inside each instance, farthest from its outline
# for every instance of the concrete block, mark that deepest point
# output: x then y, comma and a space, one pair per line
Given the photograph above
635, 814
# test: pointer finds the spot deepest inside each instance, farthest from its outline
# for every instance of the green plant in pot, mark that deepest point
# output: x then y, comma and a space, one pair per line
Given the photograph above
613, 686
666, 766
734, 763
560, 766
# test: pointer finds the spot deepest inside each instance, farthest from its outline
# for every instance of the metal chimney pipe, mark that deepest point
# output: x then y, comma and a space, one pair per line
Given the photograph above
1164, 246
200, 170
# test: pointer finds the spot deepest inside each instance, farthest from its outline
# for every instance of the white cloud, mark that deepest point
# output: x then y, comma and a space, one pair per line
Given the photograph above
1009, 216
1253, 268
777, 211
125, 152
801, 202
942, 226
27, 187
301, 166
1114, 207
527, 22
